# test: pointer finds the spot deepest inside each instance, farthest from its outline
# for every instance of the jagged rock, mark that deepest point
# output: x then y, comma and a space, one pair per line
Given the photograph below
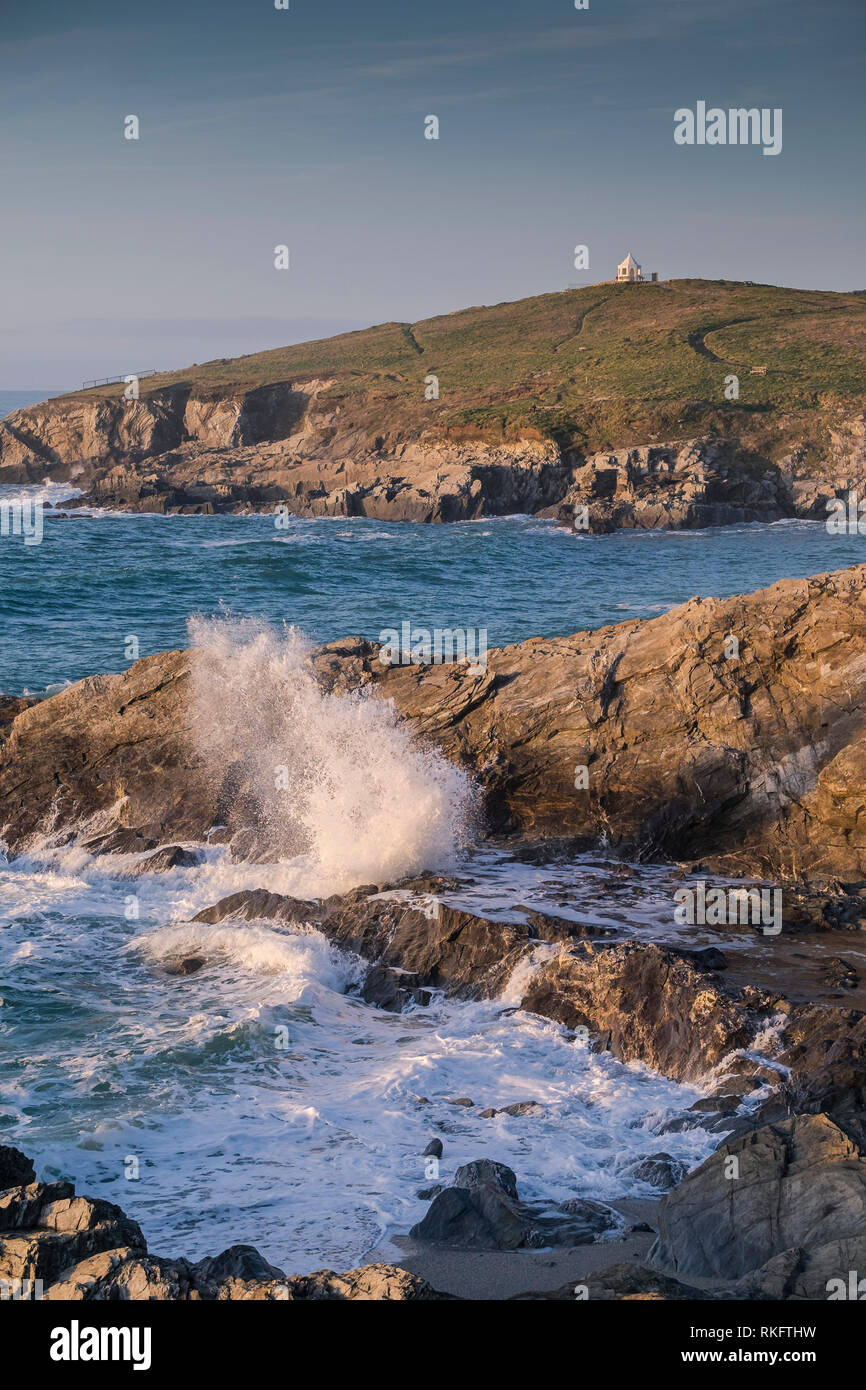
86, 1249
815, 1272
392, 989
45, 1228
482, 1211
754, 765
16, 1168
646, 1003
799, 1182
523, 1107
659, 1170
123, 1275
841, 973
238, 1262
379, 1282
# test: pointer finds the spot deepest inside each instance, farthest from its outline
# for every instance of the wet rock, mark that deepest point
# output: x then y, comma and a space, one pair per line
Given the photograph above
799, 1182
392, 989
482, 1211
660, 1170
646, 1003
710, 958
426, 1194
487, 1114
462, 1100
121, 841
162, 860
841, 974
433, 1149
186, 965
523, 1107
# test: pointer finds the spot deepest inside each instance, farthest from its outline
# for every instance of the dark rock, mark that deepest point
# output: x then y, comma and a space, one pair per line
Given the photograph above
523, 1107
433, 1149
165, 858
659, 1170
487, 1170
189, 965
238, 1262
16, 1169
482, 1211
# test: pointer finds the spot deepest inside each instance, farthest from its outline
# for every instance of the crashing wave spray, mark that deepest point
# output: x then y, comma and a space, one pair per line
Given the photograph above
335, 778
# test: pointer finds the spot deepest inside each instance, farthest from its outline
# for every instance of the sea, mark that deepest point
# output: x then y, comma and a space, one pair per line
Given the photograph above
170, 1094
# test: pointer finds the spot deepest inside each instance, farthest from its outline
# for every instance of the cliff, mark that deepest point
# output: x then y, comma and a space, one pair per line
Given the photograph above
616, 398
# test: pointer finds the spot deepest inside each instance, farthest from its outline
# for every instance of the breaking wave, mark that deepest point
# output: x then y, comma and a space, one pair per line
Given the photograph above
335, 778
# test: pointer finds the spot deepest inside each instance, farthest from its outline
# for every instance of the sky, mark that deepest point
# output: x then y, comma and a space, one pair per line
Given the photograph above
305, 127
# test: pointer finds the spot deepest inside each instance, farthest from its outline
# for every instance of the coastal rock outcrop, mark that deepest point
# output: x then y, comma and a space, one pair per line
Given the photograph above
797, 1183
481, 1210
750, 764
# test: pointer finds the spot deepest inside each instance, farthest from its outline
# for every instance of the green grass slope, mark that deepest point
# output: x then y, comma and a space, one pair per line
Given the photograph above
599, 367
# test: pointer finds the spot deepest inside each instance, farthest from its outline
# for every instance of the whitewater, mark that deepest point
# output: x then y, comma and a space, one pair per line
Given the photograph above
260, 1099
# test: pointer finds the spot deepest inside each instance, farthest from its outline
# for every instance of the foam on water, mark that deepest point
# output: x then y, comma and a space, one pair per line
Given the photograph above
312, 1149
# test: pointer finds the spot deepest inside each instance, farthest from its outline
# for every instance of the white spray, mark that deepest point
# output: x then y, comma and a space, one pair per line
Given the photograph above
335, 778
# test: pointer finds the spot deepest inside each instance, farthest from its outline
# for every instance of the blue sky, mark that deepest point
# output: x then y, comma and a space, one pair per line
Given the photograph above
306, 127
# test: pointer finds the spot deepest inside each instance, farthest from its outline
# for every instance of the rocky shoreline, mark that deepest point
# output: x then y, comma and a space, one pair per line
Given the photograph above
285, 448
749, 766
726, 733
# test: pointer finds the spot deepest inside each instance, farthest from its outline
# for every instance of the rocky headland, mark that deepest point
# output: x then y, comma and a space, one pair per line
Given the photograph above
494, 410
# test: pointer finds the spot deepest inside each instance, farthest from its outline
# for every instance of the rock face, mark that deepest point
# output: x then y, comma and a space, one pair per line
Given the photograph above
799, 1183
80, 1249
697, 483
751, 765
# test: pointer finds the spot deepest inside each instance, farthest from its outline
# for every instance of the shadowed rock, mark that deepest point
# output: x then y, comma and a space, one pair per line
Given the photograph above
801, 1182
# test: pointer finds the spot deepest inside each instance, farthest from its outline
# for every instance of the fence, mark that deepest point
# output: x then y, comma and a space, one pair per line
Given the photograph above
116, 380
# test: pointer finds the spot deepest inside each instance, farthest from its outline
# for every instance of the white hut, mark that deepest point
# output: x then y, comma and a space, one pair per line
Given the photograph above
629, 269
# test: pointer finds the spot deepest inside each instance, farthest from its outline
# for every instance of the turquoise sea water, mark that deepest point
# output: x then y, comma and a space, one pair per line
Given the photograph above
67, 606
